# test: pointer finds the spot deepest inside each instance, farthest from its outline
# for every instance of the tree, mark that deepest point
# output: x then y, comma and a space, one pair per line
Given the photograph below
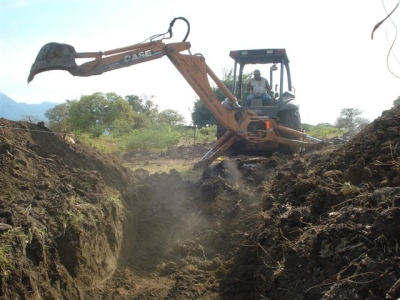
396, 103
325, 125
141, 121
58, 117
135, 102
88, 112
349, 120
147, 112
30, 118
120, 127
99, 112
150, 108
143, 105
58, 113
119, 117
201, 116
170, 117
362, 123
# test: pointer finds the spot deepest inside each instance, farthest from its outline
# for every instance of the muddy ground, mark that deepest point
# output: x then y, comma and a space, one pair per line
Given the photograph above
79, 224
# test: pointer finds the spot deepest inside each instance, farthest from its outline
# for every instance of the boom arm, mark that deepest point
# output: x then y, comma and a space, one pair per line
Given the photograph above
55, 56
192, 67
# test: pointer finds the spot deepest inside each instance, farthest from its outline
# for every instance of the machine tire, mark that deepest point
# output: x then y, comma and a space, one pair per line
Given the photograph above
289, 118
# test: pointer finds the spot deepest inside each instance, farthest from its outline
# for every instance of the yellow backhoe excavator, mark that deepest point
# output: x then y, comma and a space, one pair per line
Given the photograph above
241, 124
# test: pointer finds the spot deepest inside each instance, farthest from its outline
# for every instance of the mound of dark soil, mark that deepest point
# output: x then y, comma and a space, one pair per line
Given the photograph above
330, 223
61, 214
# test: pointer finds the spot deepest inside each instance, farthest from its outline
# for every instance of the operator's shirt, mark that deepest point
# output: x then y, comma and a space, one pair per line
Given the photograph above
259, 86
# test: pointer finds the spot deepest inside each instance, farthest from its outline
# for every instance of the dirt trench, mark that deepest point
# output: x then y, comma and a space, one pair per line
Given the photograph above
180, 239
76, 224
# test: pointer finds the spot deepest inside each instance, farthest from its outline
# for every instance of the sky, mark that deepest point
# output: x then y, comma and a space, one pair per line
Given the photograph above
334, 62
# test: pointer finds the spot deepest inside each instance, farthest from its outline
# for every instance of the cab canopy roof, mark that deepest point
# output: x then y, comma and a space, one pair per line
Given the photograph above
259, 56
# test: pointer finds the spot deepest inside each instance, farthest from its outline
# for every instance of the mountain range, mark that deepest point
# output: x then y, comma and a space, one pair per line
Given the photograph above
15, 111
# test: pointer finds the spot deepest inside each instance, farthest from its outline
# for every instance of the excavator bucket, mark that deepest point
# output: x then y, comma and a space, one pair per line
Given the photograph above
53, 56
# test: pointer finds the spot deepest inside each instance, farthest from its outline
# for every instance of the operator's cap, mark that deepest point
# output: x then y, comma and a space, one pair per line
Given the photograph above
257, 72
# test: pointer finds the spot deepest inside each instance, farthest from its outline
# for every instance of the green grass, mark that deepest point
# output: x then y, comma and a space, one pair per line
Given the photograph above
104, 143
5, 264
8, 239
324, 132
116, 199
150, 139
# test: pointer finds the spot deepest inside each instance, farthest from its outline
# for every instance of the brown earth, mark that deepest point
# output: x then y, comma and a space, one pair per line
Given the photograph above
78, 224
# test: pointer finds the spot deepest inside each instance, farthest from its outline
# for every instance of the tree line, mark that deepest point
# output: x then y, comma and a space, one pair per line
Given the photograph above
99, 113
118, 116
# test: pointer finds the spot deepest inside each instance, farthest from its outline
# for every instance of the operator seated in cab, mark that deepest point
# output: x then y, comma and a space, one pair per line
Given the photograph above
259, 88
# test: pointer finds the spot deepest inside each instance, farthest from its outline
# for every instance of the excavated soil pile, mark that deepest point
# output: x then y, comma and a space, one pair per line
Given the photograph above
61, 214
75, 224
330, 224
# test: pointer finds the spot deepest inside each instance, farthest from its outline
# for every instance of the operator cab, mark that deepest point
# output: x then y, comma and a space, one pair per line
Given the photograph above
277, 62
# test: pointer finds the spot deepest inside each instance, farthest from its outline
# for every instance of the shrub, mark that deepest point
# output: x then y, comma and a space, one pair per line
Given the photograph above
154, 138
